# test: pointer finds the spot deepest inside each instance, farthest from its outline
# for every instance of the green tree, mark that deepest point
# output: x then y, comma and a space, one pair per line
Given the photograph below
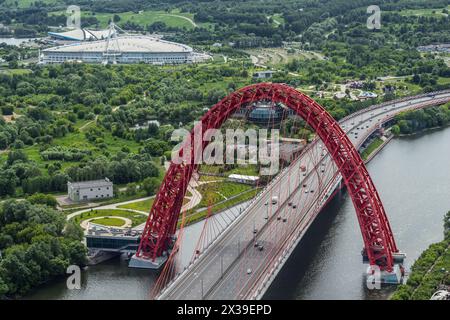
16, 155
45, 199
3, 288
73, 231
151, 185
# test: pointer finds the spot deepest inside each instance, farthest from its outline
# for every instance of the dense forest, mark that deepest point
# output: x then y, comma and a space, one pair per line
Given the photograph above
34, 246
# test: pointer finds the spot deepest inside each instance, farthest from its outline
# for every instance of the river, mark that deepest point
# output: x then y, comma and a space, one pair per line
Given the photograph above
412, 175
16, 41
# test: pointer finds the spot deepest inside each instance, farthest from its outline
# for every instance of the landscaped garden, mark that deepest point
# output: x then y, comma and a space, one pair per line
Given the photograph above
136, 218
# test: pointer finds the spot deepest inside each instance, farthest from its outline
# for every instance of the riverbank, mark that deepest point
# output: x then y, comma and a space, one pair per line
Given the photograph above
423, 131
430, 271
375, 146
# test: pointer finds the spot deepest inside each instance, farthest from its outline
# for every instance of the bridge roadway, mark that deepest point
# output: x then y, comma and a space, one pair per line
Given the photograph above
231, 267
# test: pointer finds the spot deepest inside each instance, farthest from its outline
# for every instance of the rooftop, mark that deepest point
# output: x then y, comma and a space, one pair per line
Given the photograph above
81, 34
367, 94
91, 184
124, 44
242, 177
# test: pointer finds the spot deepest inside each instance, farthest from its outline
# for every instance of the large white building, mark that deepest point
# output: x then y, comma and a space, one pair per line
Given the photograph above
82, 35
121, 49
90, 190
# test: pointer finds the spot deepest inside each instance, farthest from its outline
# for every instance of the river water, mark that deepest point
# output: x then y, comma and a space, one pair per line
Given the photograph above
15, 41
412, 176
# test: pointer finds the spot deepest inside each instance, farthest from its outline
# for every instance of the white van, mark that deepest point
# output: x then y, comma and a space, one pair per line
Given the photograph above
274, 200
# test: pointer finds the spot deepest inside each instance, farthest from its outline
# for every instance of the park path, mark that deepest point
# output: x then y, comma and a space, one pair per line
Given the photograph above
88, 123
196, 197
112, 206
185, 18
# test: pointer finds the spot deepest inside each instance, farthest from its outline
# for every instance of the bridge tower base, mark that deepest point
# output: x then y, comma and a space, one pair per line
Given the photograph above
394, 277
143, 263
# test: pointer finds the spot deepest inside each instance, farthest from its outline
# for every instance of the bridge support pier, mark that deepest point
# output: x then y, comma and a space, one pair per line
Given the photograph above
375, 276
144, 263
374, 279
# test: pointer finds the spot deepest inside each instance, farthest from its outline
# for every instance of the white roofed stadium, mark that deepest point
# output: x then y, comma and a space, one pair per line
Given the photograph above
121, 49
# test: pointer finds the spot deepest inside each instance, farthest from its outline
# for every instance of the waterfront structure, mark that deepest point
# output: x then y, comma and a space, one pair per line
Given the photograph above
121, 49
90, 190
112, 239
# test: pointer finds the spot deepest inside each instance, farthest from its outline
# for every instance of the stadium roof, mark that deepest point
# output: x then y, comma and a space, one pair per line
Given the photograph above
81, 34
125, 44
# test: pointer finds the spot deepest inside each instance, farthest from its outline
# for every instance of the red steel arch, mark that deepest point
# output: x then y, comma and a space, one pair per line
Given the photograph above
377, 235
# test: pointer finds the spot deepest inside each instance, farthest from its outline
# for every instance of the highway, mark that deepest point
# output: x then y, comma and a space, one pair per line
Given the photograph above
232, 267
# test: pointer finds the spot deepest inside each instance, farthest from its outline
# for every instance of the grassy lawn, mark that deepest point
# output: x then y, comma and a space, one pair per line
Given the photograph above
136, 218
232, 202
434, 12
443, 80
192, 217
28, 3
210, 178
110, 222
218, 191
16, 71
249, 170
144, 205
375, 144
171, 19
278, 19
